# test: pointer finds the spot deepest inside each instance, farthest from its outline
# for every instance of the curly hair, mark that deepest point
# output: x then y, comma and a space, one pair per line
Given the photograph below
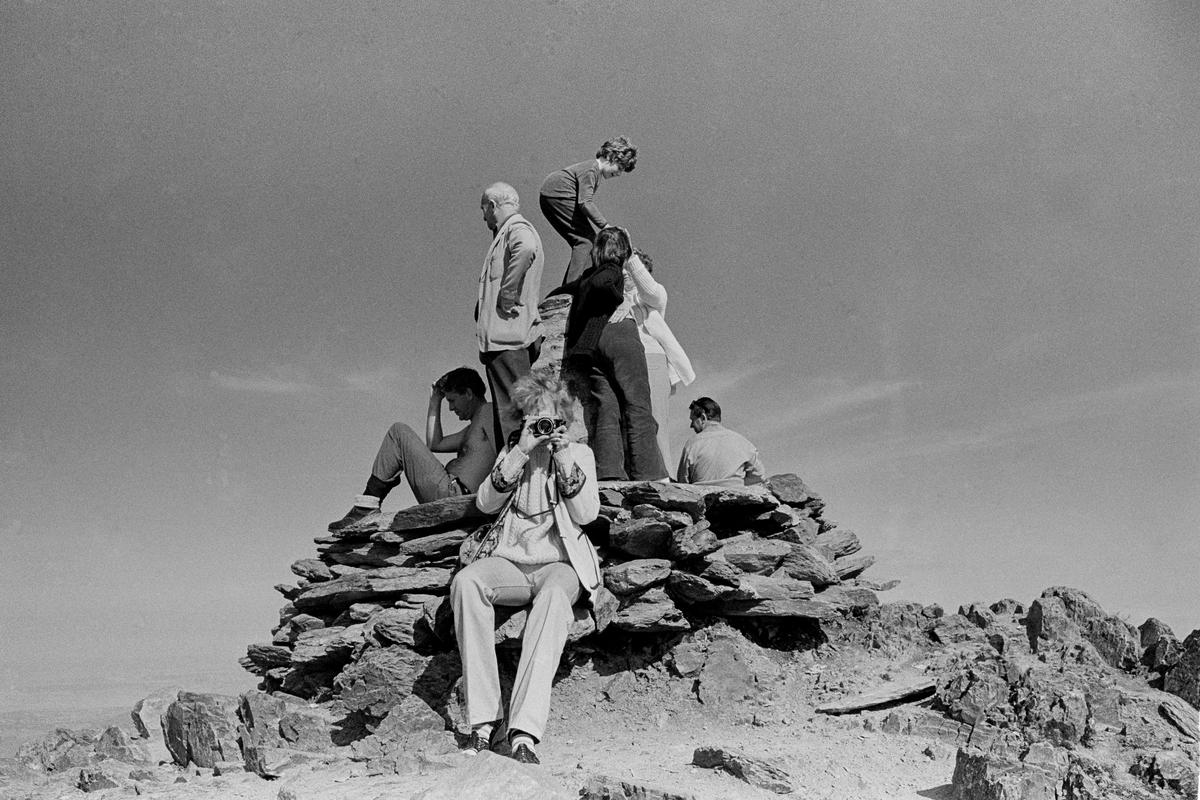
619, 151
528, 392
611, 247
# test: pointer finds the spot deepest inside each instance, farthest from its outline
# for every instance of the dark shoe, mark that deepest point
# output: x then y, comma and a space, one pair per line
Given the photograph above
476, 743
352, 516
522, 754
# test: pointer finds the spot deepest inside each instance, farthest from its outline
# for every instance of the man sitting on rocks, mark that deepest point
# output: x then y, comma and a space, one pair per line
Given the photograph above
403, 451
717, 456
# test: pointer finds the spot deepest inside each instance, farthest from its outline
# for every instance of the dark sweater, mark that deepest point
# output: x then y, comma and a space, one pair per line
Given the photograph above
577, 182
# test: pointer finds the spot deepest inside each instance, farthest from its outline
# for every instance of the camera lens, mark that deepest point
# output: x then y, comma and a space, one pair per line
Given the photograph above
543, 426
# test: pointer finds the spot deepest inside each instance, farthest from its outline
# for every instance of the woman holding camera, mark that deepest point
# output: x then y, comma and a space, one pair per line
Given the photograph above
546, 486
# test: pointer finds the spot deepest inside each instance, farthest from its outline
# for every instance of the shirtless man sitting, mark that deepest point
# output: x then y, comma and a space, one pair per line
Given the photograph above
402, 451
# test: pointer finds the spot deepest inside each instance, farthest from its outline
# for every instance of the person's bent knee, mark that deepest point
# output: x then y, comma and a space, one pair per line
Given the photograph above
399, 430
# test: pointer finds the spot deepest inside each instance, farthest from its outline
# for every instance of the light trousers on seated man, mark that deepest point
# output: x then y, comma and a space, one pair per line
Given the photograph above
404, 452
474, 593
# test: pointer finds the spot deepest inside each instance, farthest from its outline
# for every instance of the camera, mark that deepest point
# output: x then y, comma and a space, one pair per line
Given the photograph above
544, 426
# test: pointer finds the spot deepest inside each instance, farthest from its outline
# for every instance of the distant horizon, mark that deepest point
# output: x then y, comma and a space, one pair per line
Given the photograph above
940, 260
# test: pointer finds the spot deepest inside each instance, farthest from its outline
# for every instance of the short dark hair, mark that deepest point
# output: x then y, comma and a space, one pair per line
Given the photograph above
706, 405
620, 151
462, 379
612, 247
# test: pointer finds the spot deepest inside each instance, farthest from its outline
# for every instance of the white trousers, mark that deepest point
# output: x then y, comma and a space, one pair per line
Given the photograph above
474, 592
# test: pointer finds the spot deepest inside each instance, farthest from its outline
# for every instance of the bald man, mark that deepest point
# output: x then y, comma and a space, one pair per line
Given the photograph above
506, 312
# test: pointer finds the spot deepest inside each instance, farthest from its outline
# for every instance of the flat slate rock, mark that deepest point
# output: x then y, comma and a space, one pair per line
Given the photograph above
906, 691
434, 514
376, 585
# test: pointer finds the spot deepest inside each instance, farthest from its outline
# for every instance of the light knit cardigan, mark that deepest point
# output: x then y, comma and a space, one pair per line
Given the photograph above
646, 301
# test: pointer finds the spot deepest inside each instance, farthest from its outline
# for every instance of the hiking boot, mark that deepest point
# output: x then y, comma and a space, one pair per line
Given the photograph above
355, 514
524, 754
476, 743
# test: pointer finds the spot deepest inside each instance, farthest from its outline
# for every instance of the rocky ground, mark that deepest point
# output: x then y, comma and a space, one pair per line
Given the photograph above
976, 713
738, 652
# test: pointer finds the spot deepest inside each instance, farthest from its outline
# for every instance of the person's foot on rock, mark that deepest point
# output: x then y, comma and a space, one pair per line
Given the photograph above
355, 514
524, 754
477, 742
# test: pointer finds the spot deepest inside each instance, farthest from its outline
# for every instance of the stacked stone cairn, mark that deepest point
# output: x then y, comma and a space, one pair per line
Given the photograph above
367, 628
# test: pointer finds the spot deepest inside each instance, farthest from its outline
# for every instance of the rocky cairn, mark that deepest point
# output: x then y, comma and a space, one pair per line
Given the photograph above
368, 628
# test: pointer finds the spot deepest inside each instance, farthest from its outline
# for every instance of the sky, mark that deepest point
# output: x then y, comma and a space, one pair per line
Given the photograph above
940, 259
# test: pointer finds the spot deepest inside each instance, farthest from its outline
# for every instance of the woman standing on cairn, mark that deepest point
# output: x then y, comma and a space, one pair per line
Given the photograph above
567, 199
666, 363
603, 347
542, 554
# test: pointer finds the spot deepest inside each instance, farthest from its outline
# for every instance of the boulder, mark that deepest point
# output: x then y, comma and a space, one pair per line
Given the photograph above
969, 693
750, 553
788, 488
978, 614
803, 531
806, 563
60, 750
977, 774
1007, 606
394, 625
264, 656
116, 744
690, 589
1160, 648
412, 551
201, 729
327, 647
668, 497
604, 787
738, 502
432, 515
848, 598
637, 575
1184, 678
692, 541
147, 717
838, 543
676, 519
716, 569
1064, 615
640, 538
100, 777
855, 564
383, 676
956, 628
651, 612
757, 772
312, 569
289, 631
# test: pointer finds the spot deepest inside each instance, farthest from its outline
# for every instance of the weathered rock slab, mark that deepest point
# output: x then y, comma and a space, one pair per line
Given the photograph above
634, 576
201, 729
378, 585
755, 771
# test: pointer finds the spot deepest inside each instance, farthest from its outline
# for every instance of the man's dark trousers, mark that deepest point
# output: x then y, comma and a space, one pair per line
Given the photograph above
503, 369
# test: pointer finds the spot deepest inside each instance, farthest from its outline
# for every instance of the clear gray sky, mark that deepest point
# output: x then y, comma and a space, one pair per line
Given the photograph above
939, 258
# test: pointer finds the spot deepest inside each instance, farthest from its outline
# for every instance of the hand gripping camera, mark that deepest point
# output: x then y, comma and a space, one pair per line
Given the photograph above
544, 426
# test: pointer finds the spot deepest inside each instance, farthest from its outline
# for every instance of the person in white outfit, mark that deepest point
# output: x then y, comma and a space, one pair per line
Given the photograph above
542, 558
667, 363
